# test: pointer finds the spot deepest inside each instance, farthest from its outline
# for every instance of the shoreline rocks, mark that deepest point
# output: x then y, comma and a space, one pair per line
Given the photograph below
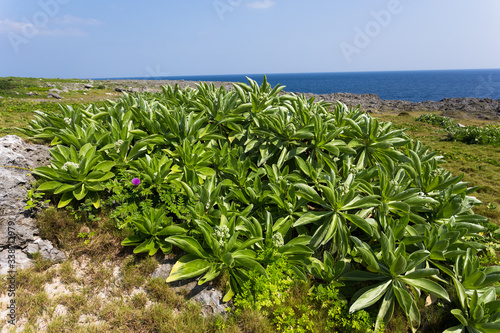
467, 107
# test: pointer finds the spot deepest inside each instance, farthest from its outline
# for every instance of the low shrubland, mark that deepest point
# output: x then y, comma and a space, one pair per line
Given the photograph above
488, 134
316, 218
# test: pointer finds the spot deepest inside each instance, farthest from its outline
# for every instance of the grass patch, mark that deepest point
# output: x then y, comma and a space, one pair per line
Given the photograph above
62, 227
159, 291
31, 305
67, 273
136, 269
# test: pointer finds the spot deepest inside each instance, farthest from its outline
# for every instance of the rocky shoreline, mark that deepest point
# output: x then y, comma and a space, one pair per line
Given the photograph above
460, 108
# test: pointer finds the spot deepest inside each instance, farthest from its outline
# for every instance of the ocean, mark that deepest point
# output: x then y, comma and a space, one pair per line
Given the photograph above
415, 86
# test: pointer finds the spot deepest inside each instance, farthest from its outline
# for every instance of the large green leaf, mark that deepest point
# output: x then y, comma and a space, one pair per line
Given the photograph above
360, 223
147, 246
370, 297
49, 186
367, 254
398, 266
422, 273
429, 286
188, 244
455, 329
386, 308
310, 217
81, 192
188, 266
212, 273
46, 172
250, 264
489, 327
362, 202
66, 198
460, 316
133, 240
309, 193
67, 188
409, 306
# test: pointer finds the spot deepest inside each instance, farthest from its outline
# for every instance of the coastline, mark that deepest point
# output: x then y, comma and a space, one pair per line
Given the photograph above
87, 91
459, 108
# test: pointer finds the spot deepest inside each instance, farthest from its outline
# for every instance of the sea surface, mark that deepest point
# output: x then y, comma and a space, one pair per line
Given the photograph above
415, 86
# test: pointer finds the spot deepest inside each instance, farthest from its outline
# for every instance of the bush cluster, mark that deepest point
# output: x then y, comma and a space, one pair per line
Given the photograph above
489, 134
240, 179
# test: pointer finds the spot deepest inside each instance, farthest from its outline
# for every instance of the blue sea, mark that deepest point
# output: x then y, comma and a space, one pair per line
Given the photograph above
415, 86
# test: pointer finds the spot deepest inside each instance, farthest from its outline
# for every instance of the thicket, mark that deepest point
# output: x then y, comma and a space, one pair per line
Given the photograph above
6, 84
489, 134
249, 179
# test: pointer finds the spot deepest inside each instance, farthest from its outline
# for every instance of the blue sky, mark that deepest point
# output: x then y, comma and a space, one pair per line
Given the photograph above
130, 38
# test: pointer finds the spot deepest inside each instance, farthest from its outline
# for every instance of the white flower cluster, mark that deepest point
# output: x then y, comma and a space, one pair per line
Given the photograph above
67, 120
278, 240
117, 145
65, 166
222, 234
342, 188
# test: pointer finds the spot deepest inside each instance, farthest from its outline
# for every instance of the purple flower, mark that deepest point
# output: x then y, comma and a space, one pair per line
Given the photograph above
136, 181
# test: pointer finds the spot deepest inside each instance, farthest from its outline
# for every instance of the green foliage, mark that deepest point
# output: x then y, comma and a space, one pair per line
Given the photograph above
397, 272
260, 292
224, 252
86, 236
242, 179
128, 200
153, 228
436, 120
75, 174
6, 84
321, 308
336, 306
34, 199
489, 134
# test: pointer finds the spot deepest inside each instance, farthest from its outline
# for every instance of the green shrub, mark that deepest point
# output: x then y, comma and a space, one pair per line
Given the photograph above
6, 84
253, 177
489, 134
320, 308
436, 120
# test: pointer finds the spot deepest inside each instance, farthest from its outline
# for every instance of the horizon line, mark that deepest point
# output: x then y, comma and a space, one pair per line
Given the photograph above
282, 73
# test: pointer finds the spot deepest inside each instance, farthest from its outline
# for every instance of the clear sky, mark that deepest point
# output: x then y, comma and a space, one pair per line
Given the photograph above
132, 38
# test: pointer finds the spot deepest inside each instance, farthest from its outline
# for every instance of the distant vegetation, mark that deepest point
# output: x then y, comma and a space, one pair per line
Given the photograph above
488, 134
266, 192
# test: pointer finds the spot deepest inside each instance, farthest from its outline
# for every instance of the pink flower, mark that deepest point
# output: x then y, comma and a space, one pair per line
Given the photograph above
136, 181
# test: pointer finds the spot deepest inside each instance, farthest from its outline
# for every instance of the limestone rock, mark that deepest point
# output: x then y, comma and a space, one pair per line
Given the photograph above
46, 250
60, 311
163, 270
209, 297
18, 230
54, 95
211, 300
21, 261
